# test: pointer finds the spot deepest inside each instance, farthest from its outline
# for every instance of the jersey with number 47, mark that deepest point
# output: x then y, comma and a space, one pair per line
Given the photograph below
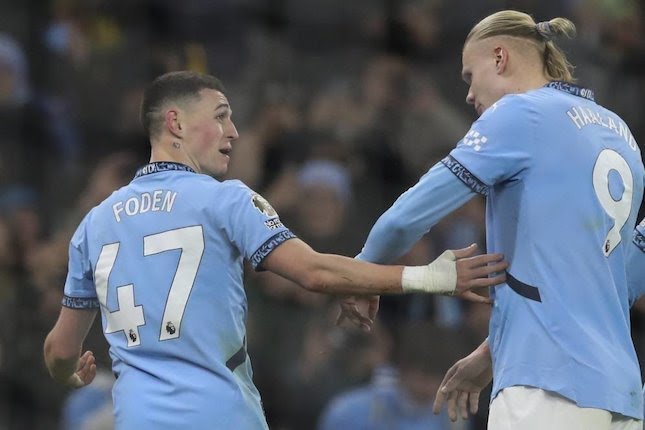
163, 259
564, 181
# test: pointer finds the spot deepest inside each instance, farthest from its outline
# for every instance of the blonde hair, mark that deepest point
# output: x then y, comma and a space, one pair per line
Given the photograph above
521, 25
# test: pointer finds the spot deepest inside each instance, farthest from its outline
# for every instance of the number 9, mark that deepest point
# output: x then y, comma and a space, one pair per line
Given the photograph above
618, 210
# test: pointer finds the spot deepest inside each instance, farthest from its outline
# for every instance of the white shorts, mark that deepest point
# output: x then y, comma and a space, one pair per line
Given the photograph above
528, 408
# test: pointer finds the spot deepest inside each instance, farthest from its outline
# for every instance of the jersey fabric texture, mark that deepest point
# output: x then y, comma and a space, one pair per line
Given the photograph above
563, 178
163, 259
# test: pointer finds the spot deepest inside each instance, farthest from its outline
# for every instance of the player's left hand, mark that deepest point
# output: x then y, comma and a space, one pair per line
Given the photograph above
360, 311
463, 383
85, 372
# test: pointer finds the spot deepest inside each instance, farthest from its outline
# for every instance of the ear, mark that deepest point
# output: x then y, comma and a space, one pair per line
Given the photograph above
173, 123
501, 59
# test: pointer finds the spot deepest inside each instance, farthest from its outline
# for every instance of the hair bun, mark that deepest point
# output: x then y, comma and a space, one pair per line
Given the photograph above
545, 30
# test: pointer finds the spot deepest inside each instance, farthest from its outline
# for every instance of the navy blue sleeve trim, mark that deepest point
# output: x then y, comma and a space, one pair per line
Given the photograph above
80, 302
258, 256
523, 289
465, 176
639, 240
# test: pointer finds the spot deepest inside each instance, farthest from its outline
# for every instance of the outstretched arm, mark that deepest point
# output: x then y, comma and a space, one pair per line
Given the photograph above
437, 193
454, 272
63, 348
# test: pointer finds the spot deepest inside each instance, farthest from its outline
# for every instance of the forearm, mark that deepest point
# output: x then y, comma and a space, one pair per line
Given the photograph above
437, 193
60, 367
63, 345
342, 275
335, 274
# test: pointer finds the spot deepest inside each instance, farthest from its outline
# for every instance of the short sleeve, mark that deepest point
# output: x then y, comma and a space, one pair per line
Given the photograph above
80, 292
497, 146
253, 225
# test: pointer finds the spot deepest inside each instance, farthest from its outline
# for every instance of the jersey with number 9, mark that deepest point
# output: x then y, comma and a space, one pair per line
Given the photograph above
564, 181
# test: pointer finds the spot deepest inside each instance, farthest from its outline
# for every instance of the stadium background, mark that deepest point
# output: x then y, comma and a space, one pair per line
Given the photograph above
340, 105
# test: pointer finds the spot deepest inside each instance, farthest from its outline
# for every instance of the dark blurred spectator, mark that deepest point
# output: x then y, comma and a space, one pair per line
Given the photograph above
275, 142
21, 208
330, 359
35, 136
431, 126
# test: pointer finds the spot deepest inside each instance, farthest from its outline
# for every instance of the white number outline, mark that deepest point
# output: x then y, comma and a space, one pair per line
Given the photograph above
129, 317
617, 210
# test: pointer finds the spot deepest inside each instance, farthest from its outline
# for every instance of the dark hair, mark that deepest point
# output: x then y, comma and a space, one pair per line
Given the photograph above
518, 24
173, 86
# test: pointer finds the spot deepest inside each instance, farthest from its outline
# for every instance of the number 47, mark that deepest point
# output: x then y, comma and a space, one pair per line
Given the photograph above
129, 317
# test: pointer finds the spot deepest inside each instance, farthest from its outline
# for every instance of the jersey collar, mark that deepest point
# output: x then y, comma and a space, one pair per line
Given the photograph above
574, 89
162, 166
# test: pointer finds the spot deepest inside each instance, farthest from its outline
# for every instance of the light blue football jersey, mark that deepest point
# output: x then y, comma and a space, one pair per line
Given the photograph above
163, 259
563, 178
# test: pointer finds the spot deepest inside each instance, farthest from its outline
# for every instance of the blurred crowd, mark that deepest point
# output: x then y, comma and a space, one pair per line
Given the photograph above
341, 106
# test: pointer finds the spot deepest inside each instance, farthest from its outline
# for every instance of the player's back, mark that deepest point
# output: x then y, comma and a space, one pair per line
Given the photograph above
564, 221
168, 273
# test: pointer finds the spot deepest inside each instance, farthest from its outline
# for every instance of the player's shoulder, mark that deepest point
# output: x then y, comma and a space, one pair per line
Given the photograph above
234, 186
206, 187
233, 190
513, 114
511, 109
239, 194
208, 183
233, 193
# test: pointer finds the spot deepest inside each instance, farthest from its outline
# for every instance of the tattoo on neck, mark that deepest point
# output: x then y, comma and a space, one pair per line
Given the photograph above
176, 145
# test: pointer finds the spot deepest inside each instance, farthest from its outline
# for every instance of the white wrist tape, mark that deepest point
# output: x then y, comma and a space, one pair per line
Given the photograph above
438, 277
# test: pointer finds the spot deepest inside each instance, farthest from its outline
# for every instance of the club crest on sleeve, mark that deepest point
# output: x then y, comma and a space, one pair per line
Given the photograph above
263, 206
475, 139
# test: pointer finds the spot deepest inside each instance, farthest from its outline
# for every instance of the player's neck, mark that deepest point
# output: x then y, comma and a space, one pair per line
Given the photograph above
527, 82
168, 151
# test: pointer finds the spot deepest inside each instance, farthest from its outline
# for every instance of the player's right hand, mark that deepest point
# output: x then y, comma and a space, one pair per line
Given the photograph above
473, 272
85, 372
